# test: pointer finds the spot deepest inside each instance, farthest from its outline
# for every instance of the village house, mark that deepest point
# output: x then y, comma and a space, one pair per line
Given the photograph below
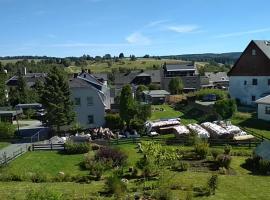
249, 79
187, 73
155, 96
91, 98
264, 108
218, 79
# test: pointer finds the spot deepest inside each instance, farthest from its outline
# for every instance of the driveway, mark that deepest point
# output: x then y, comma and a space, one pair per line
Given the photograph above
29, 124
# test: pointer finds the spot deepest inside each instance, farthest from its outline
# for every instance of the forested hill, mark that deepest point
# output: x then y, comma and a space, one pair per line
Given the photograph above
225, 58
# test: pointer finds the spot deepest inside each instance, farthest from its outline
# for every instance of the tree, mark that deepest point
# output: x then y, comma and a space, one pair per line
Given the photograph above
225, 108
176, 86
107, 57
133, 58
127, 105
146, 56
139, 91
22, 89
121, 55
55, 97
3, 99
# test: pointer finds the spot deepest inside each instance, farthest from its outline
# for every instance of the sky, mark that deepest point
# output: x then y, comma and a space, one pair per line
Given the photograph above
156, 27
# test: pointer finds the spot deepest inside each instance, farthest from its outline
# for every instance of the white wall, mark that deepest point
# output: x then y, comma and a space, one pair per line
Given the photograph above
238, 90
83, 111
261, 112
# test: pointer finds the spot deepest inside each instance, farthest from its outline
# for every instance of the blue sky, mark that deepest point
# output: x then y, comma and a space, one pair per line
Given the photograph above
155, 27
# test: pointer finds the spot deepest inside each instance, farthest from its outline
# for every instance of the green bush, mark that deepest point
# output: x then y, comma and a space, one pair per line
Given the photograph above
224, 161
115, 186
220, 94
147, 166
7, 130
213, 183
138, 125
43, 194
225, 108
77, 148
39, 177
6, 177
114, 121
227, 149
215, 153
96, 168
180, 166
264, 166
201, 149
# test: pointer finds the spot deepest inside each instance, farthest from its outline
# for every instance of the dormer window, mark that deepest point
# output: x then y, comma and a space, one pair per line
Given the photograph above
253, 52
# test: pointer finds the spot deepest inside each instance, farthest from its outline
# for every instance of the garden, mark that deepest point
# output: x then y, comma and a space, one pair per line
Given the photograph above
147, 170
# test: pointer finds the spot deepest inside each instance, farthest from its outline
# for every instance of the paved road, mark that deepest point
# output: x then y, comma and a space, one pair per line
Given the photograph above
29, 124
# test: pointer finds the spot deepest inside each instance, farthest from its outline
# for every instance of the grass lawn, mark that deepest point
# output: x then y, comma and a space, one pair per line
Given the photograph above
49, 162
169, 112
250, 122
4, 144
240, 186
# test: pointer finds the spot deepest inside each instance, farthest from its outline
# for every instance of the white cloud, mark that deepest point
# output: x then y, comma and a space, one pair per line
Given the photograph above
183, 28
156, 23
138, 38
235, 34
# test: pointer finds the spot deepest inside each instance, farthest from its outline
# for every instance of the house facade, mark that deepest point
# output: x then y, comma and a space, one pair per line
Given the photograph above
155, 96
91, 99
249, 79
187, 73
263, 108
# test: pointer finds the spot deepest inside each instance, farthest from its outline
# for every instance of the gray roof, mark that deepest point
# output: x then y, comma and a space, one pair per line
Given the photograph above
217, 77
264, 45
79, 83
127, 78
264, 100
30, 79
10, 112
179, 67
103, 76
90, 77
156, 93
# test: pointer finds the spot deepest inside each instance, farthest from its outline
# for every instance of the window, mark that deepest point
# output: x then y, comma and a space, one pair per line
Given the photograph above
267, 110
77, 101
268, 81
89, 101
253, 98
245, 82
254, 81
90, 119
253, 52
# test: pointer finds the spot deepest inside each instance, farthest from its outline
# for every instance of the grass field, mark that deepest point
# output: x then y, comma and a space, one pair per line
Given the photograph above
48, 162
98, 67
240, 186
3, 144
169, 112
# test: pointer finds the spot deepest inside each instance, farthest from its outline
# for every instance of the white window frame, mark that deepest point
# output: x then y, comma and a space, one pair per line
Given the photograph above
253, 52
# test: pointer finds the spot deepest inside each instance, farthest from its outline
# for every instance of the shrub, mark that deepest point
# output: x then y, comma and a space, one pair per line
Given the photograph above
220, 94
224, 161
147, 166
225, 108
227, 149
77, 148
95, 147
62, 178
115, 186
138, 125
180, 166
39, 177
114, 121
215, 153
115, 156
11, 177
213, 183
43, 194
164, 194
201, 149
96, 169
264, 166
7, 130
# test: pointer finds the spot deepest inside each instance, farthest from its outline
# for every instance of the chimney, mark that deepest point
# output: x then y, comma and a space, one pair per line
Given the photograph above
25, 71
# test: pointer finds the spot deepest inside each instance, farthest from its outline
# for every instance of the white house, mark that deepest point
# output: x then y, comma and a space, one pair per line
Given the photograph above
264, 108
249, 79
91, 98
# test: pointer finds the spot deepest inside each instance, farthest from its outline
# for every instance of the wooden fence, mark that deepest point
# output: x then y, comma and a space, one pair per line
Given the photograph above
5, 159
44, 147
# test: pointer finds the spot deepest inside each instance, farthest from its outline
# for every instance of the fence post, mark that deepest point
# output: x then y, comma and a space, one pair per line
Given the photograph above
51, 146
33, 147
5, 157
